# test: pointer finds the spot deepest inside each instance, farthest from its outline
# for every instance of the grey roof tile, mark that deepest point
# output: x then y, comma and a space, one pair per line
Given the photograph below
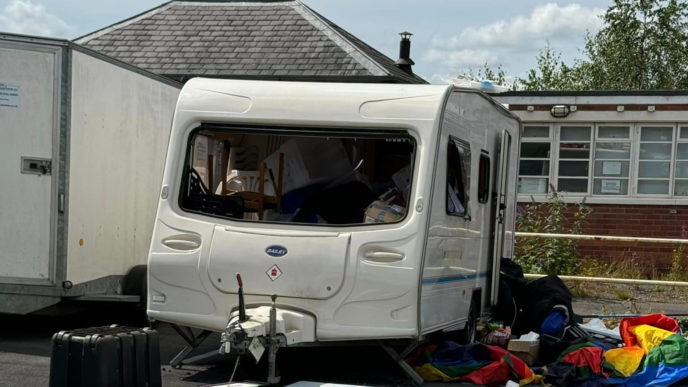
240, 39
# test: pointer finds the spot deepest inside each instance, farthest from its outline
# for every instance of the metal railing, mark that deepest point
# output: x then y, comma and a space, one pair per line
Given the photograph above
603, 238
628, 281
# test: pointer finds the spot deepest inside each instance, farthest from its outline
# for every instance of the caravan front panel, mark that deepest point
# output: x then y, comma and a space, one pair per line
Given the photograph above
300, 266
356, 167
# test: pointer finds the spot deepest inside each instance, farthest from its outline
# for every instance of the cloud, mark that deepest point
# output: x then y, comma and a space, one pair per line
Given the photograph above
546, 22
459, 58
516, 38
25, 17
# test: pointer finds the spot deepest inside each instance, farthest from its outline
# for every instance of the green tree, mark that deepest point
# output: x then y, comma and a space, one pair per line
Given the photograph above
643, 44
551, 73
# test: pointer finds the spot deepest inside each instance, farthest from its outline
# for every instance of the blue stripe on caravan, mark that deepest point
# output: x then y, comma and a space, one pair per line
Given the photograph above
439, 280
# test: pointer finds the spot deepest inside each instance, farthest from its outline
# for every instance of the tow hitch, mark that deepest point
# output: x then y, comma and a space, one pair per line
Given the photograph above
247, 334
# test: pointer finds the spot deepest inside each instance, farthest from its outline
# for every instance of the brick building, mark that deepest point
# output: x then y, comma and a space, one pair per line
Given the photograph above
624, 153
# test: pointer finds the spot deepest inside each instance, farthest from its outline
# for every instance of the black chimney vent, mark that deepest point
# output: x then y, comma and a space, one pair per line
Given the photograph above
404, 62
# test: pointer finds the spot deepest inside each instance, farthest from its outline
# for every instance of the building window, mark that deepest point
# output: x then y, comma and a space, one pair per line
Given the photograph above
574, 159
458, 176
533, 168
618, 160
612, 160
654, 160
484, 179
681, 167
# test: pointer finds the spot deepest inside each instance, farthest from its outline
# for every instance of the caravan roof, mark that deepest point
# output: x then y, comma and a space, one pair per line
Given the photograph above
316, 104
301, 102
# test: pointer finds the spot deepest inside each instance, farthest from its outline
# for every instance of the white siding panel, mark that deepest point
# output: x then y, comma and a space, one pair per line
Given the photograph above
27, 123
120, 125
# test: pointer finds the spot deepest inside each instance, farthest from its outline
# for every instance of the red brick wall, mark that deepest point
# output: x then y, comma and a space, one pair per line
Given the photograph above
637, 220
633, 220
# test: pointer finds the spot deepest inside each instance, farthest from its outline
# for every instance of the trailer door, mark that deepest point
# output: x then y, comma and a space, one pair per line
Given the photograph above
29, 100
500, 213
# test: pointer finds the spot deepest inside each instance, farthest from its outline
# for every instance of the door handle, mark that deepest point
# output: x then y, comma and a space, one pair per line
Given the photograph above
182, 242
384, 256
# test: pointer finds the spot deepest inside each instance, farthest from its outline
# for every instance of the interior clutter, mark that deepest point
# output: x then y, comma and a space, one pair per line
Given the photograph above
298, 176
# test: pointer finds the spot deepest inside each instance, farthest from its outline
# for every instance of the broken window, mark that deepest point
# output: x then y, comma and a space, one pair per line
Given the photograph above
298, 176
458, 175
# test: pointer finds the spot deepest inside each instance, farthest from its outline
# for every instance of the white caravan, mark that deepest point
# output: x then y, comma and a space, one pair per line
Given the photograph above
370, 211
83, 147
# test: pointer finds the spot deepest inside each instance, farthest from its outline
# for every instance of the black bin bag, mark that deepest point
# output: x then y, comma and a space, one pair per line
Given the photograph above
105, 356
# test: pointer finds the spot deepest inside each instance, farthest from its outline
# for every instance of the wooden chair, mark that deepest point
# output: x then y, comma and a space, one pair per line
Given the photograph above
259, 201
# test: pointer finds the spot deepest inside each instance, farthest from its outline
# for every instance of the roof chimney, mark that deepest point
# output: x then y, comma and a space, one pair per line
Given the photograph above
404, 62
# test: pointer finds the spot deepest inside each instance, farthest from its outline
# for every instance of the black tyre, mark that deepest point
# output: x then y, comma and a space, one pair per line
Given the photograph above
467, 335
135, 283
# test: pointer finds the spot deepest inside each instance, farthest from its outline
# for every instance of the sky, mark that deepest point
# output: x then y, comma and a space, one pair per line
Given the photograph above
449, 38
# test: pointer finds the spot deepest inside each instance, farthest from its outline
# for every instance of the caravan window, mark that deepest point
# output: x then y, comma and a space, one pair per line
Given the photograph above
458, 176
484, 178
303, 176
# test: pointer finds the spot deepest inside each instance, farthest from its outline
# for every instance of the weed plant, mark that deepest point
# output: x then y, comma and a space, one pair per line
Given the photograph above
549, 255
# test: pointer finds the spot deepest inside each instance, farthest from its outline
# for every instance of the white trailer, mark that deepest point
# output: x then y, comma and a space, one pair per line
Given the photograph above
370, 211
83, 146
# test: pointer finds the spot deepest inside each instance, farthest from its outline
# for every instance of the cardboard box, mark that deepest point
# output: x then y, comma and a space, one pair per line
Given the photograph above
381, 212
526, 350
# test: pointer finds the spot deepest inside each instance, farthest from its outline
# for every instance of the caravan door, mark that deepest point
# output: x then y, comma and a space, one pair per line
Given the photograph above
29, 111
500, 213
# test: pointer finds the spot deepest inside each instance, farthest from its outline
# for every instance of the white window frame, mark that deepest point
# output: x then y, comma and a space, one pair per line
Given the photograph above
554, 171
630, 141
672, 159
549, 139
632, 196
676, 160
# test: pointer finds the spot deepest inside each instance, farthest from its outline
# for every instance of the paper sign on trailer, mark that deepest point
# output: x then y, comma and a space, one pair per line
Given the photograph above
9, 95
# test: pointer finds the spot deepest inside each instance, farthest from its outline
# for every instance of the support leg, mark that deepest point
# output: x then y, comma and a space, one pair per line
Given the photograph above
193, 341
399, 359
274, 345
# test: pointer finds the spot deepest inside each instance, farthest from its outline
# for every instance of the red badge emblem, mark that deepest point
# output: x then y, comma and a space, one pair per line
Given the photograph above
274, 272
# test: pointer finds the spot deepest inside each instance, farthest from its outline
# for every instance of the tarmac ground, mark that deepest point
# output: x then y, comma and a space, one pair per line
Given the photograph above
25, 348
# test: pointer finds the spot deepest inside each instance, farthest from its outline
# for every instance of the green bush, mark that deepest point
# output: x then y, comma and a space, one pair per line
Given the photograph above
549, 255
678, 264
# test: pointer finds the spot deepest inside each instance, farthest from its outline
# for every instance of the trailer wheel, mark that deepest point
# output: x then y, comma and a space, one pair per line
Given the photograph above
135, 283
468, 333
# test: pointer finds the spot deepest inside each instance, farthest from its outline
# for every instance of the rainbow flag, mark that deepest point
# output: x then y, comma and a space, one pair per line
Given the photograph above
475, 363
666, 358
657, 356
